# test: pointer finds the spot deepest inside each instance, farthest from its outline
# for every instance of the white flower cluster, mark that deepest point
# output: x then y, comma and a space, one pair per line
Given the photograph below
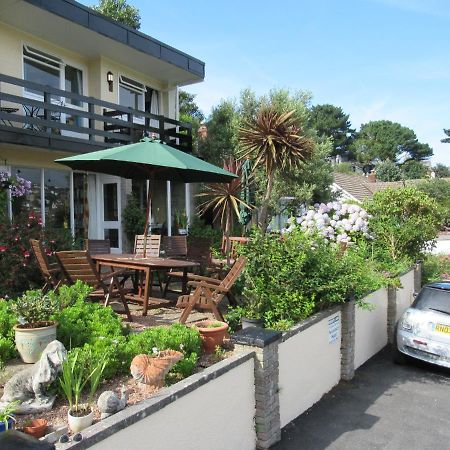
335, 221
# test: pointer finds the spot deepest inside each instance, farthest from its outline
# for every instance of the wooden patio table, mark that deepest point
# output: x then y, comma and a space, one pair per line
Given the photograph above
145, 265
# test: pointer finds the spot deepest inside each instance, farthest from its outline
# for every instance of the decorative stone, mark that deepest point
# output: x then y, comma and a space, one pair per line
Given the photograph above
29, 385
77, 437
150, 370
63, 439
109, 402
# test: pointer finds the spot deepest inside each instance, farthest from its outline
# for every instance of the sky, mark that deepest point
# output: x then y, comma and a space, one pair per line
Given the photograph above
377, 59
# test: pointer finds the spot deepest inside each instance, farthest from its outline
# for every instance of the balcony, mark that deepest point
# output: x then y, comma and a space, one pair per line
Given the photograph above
35, 115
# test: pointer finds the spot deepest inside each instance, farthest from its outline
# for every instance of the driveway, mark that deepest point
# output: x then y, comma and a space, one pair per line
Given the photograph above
385, 406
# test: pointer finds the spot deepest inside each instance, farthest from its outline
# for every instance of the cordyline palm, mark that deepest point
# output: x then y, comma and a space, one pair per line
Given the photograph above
224, 199
274, 141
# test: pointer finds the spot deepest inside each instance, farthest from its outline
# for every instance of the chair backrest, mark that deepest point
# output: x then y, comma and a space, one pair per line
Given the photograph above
234, 273
97, 246
199, 250
235, 241
78, 265
153, 245
41, 257
175, 246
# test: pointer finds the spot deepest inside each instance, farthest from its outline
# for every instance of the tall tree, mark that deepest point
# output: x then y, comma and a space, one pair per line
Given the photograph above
331, 122
441, 171
274, 141
447, 139
190, 112
121, 11
385, 140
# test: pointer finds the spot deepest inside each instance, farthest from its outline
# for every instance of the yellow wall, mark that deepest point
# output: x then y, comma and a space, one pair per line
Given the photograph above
19, 155
94, 69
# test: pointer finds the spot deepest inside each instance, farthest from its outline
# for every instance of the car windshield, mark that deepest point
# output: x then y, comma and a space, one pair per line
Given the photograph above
434, 299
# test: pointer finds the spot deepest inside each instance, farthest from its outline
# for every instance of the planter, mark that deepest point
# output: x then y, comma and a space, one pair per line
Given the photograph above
31, 342
79, 423
36, 428
211, 336
249, 323
10, 425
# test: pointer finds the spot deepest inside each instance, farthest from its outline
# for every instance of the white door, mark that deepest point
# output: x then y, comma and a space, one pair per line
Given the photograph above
109, 211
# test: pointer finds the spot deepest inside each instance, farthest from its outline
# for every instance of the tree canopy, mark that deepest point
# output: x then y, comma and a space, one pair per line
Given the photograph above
383, 140
331, 122
121, 11
191, 113
441, 171
447, 139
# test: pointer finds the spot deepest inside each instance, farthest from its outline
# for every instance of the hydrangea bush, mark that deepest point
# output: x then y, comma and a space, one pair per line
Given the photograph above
335, 221
19, 187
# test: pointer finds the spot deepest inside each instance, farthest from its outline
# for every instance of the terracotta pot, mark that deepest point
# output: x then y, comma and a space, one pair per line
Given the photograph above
36, 428
79, 423
31, 342
211, 336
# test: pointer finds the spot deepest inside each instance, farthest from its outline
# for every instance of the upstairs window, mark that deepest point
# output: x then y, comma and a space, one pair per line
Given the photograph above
131, 93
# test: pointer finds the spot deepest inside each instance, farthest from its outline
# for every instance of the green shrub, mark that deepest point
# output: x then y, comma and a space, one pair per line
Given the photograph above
85, 323
439, 190
288, 279
404, 222
435, 268
133, 218
7, 321
34, 308
69, 295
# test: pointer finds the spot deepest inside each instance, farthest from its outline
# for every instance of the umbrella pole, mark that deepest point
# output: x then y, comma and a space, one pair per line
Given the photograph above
148, 215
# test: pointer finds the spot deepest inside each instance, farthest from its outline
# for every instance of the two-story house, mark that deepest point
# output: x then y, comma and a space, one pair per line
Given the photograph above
73, 81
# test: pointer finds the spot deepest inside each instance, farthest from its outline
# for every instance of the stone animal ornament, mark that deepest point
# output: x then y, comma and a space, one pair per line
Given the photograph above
150, 370
109, 402
29, 385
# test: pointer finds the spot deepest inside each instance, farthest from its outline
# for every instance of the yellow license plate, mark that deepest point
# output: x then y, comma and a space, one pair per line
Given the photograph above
442, 328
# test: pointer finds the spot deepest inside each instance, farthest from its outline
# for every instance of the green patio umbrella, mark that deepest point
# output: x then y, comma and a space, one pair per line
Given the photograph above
152, 160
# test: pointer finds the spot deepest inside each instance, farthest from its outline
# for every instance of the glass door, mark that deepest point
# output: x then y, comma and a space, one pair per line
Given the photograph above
110, 211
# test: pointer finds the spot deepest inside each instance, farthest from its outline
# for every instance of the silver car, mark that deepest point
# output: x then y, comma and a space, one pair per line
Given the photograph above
423, 331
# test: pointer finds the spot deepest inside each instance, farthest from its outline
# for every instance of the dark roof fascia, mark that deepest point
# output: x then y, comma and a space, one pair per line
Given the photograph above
88, 18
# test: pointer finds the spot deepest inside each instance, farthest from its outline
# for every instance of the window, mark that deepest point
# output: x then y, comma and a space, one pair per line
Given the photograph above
41, 68
73, 83
57, 198
131, 93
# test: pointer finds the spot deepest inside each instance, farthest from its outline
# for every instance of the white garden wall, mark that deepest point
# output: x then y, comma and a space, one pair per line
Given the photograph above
309, 364
405, 294
371, 327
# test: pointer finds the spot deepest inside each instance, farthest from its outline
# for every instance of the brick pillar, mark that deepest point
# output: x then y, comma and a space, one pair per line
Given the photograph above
267, 403
391, 312
348, 341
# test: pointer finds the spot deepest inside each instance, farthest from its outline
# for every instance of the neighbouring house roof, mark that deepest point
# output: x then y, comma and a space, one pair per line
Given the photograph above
357, 187
79, 28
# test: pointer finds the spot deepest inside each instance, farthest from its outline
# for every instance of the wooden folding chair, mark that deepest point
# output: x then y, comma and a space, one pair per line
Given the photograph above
153, 250
51, 272
197, 250
235, 242
78, 265
97, 246
209, 292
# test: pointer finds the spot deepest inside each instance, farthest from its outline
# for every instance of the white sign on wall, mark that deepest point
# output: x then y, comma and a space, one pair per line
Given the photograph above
334, 326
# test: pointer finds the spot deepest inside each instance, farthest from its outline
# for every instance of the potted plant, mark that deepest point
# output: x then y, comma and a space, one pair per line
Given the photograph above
182, 223
35, 427
7, 419
36, 327
212, 333
73, 380
251, 313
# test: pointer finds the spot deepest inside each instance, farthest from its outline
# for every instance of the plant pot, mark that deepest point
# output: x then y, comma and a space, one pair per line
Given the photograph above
249, 323
31, 342
10, 425
79, 423
211, 336
36, 428
182, 231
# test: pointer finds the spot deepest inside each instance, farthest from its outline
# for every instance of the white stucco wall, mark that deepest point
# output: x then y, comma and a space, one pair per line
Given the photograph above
405, 293
370, 327
309, 366
218, 415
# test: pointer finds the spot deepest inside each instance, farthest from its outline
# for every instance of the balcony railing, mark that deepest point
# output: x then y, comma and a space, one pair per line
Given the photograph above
43, 116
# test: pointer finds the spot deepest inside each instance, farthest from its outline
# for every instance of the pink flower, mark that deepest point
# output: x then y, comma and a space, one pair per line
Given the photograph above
3, 248
26, 254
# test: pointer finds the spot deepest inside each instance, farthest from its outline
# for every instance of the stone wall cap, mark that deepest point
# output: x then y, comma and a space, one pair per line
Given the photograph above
256, 337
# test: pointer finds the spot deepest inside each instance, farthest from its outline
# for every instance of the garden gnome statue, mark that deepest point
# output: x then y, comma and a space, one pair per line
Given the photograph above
28, 387
109, 402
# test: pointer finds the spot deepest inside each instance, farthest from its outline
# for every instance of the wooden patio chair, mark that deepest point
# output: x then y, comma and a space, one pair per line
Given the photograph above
235, 241
153, 251
197, 250
78, 265
209, 292
51, 272
97, 246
